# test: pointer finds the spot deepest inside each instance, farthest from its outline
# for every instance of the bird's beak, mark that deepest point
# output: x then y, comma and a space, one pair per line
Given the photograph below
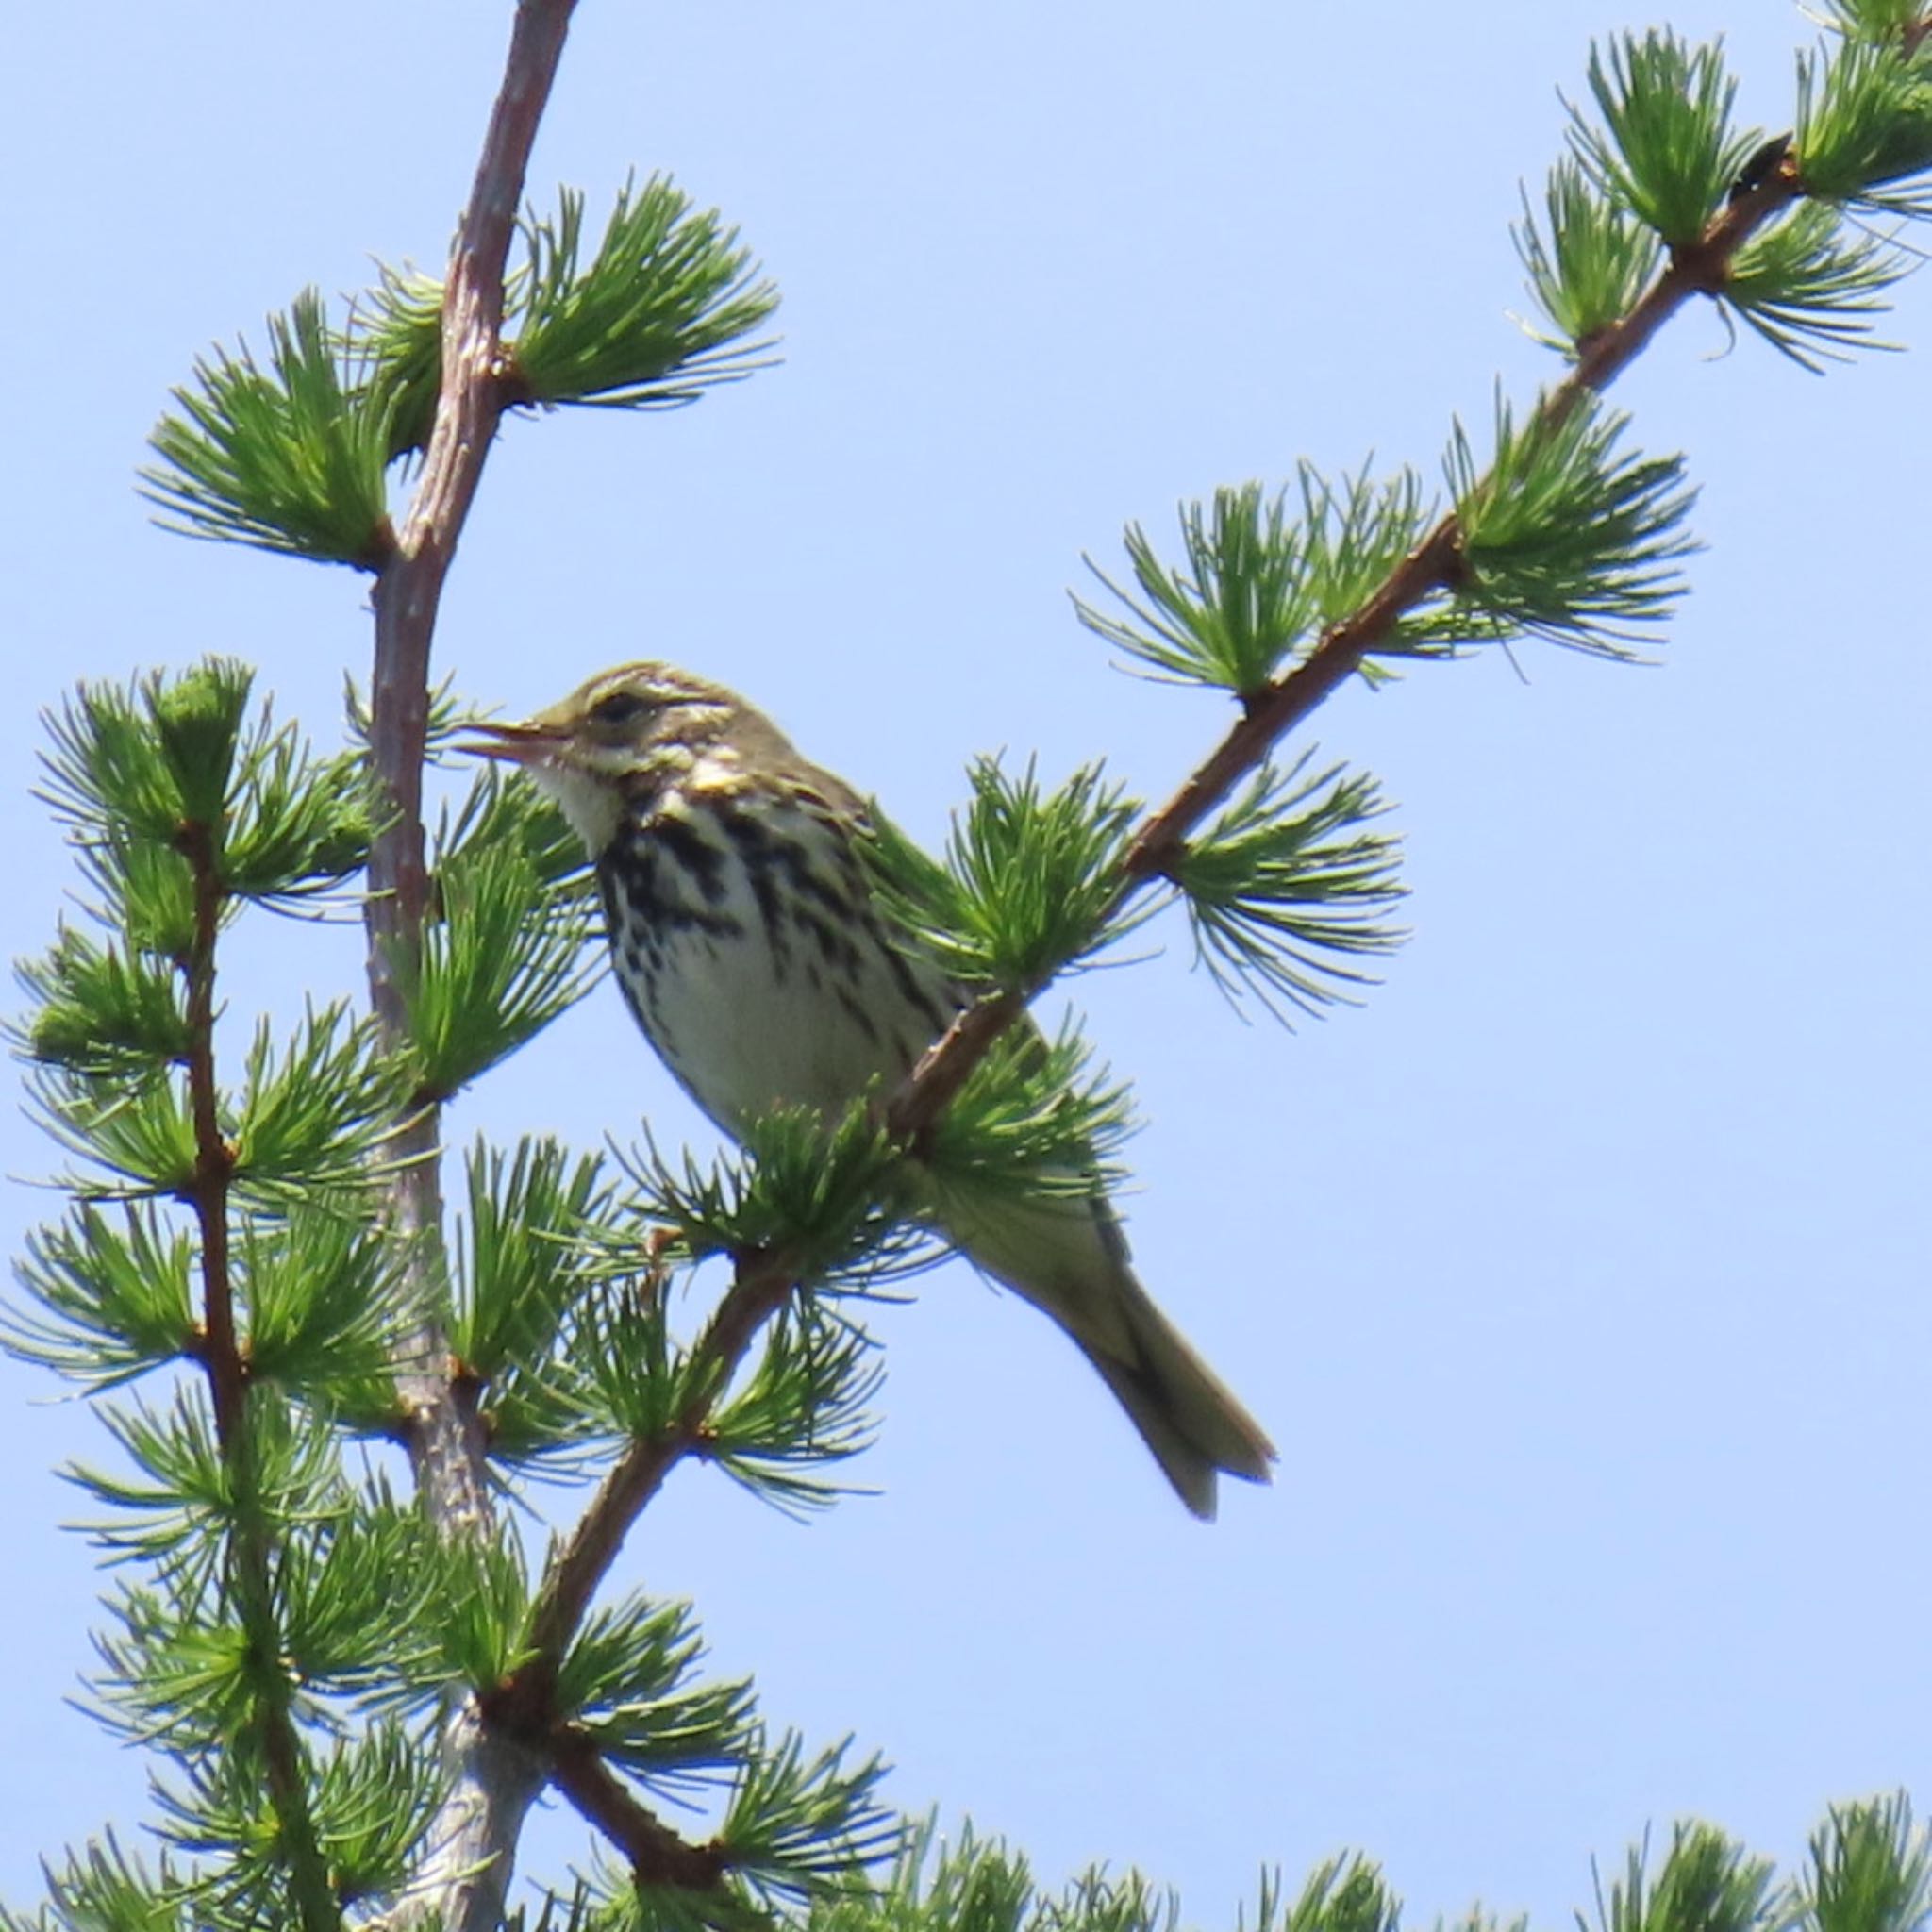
516, 744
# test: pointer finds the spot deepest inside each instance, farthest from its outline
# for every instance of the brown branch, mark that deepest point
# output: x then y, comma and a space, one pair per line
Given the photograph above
468, 406
657, 1856
214, 1160
522, 1709
473, 1839
219, 1352
410, 590
448, 1442
1701, 268
761, 1286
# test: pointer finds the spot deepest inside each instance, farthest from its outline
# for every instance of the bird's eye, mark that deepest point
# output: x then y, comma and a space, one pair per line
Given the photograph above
621, 708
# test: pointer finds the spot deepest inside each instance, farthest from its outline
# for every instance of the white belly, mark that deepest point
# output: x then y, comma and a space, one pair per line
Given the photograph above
788, 994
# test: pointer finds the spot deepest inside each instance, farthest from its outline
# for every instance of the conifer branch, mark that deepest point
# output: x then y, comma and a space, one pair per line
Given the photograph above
760, 1288
1434, 565
657, 1854
472, 1842
407, 593
220, 1354
523, 1710
1700, 269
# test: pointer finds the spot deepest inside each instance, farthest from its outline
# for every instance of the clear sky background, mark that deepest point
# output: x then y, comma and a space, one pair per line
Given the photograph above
1580, 1275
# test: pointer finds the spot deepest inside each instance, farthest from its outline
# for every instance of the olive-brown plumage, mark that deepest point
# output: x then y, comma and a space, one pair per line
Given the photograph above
749, 947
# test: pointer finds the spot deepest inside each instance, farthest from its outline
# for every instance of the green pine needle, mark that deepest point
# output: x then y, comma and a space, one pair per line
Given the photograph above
1286, 889
1233, 613
1875, 19
668, 306
396, 332
1259, 584
628, 1683
135, 761
1588, 260
803, 1407
101, 1886
1809, 285
1343, 1895
677, 1745
321, 1290
638, 1648
521, 1275
1566, 537
1871, 1869
289, 458
799, 1829
300, 825
374, 1796
187, 1500
506, 955
1037, 1121
661, 312
1707, 1881
495, 813
131, 768
1100, 1901
829, 1199
114, 1293
481, 1618
103, 1014
312, 1116
136, 1141
1666, 151
636, 1378
1864, 125
358, 1590
524, 1270
1028, 881
955, 1879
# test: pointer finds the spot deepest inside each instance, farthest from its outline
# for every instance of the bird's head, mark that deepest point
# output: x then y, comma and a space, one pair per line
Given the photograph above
622, 736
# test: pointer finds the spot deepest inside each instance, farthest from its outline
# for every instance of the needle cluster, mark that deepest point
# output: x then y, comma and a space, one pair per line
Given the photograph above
293, 452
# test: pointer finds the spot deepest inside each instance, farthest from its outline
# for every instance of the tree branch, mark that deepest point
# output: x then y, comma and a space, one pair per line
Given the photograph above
221, 1358
761, 1286
1431, 566
448, 1442
657, 1856
214, 1160
475, 1833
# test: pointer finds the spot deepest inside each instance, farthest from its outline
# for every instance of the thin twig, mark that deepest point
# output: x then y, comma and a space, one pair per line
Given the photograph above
524, 1706
476, 1830
214, 1160
761, 1286
658, 1855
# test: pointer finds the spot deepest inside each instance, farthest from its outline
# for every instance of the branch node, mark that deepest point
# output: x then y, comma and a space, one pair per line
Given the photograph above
1773, 158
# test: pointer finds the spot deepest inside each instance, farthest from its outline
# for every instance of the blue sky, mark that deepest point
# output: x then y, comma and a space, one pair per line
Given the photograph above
1579, 1276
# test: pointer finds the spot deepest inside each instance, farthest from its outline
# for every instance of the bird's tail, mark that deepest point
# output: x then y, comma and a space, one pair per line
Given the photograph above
1186, 1414
1070, 1258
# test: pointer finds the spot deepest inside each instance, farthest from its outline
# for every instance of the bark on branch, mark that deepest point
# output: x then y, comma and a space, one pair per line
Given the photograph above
472, 1842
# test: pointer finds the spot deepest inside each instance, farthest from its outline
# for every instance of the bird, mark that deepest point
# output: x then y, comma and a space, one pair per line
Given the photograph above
752, 951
